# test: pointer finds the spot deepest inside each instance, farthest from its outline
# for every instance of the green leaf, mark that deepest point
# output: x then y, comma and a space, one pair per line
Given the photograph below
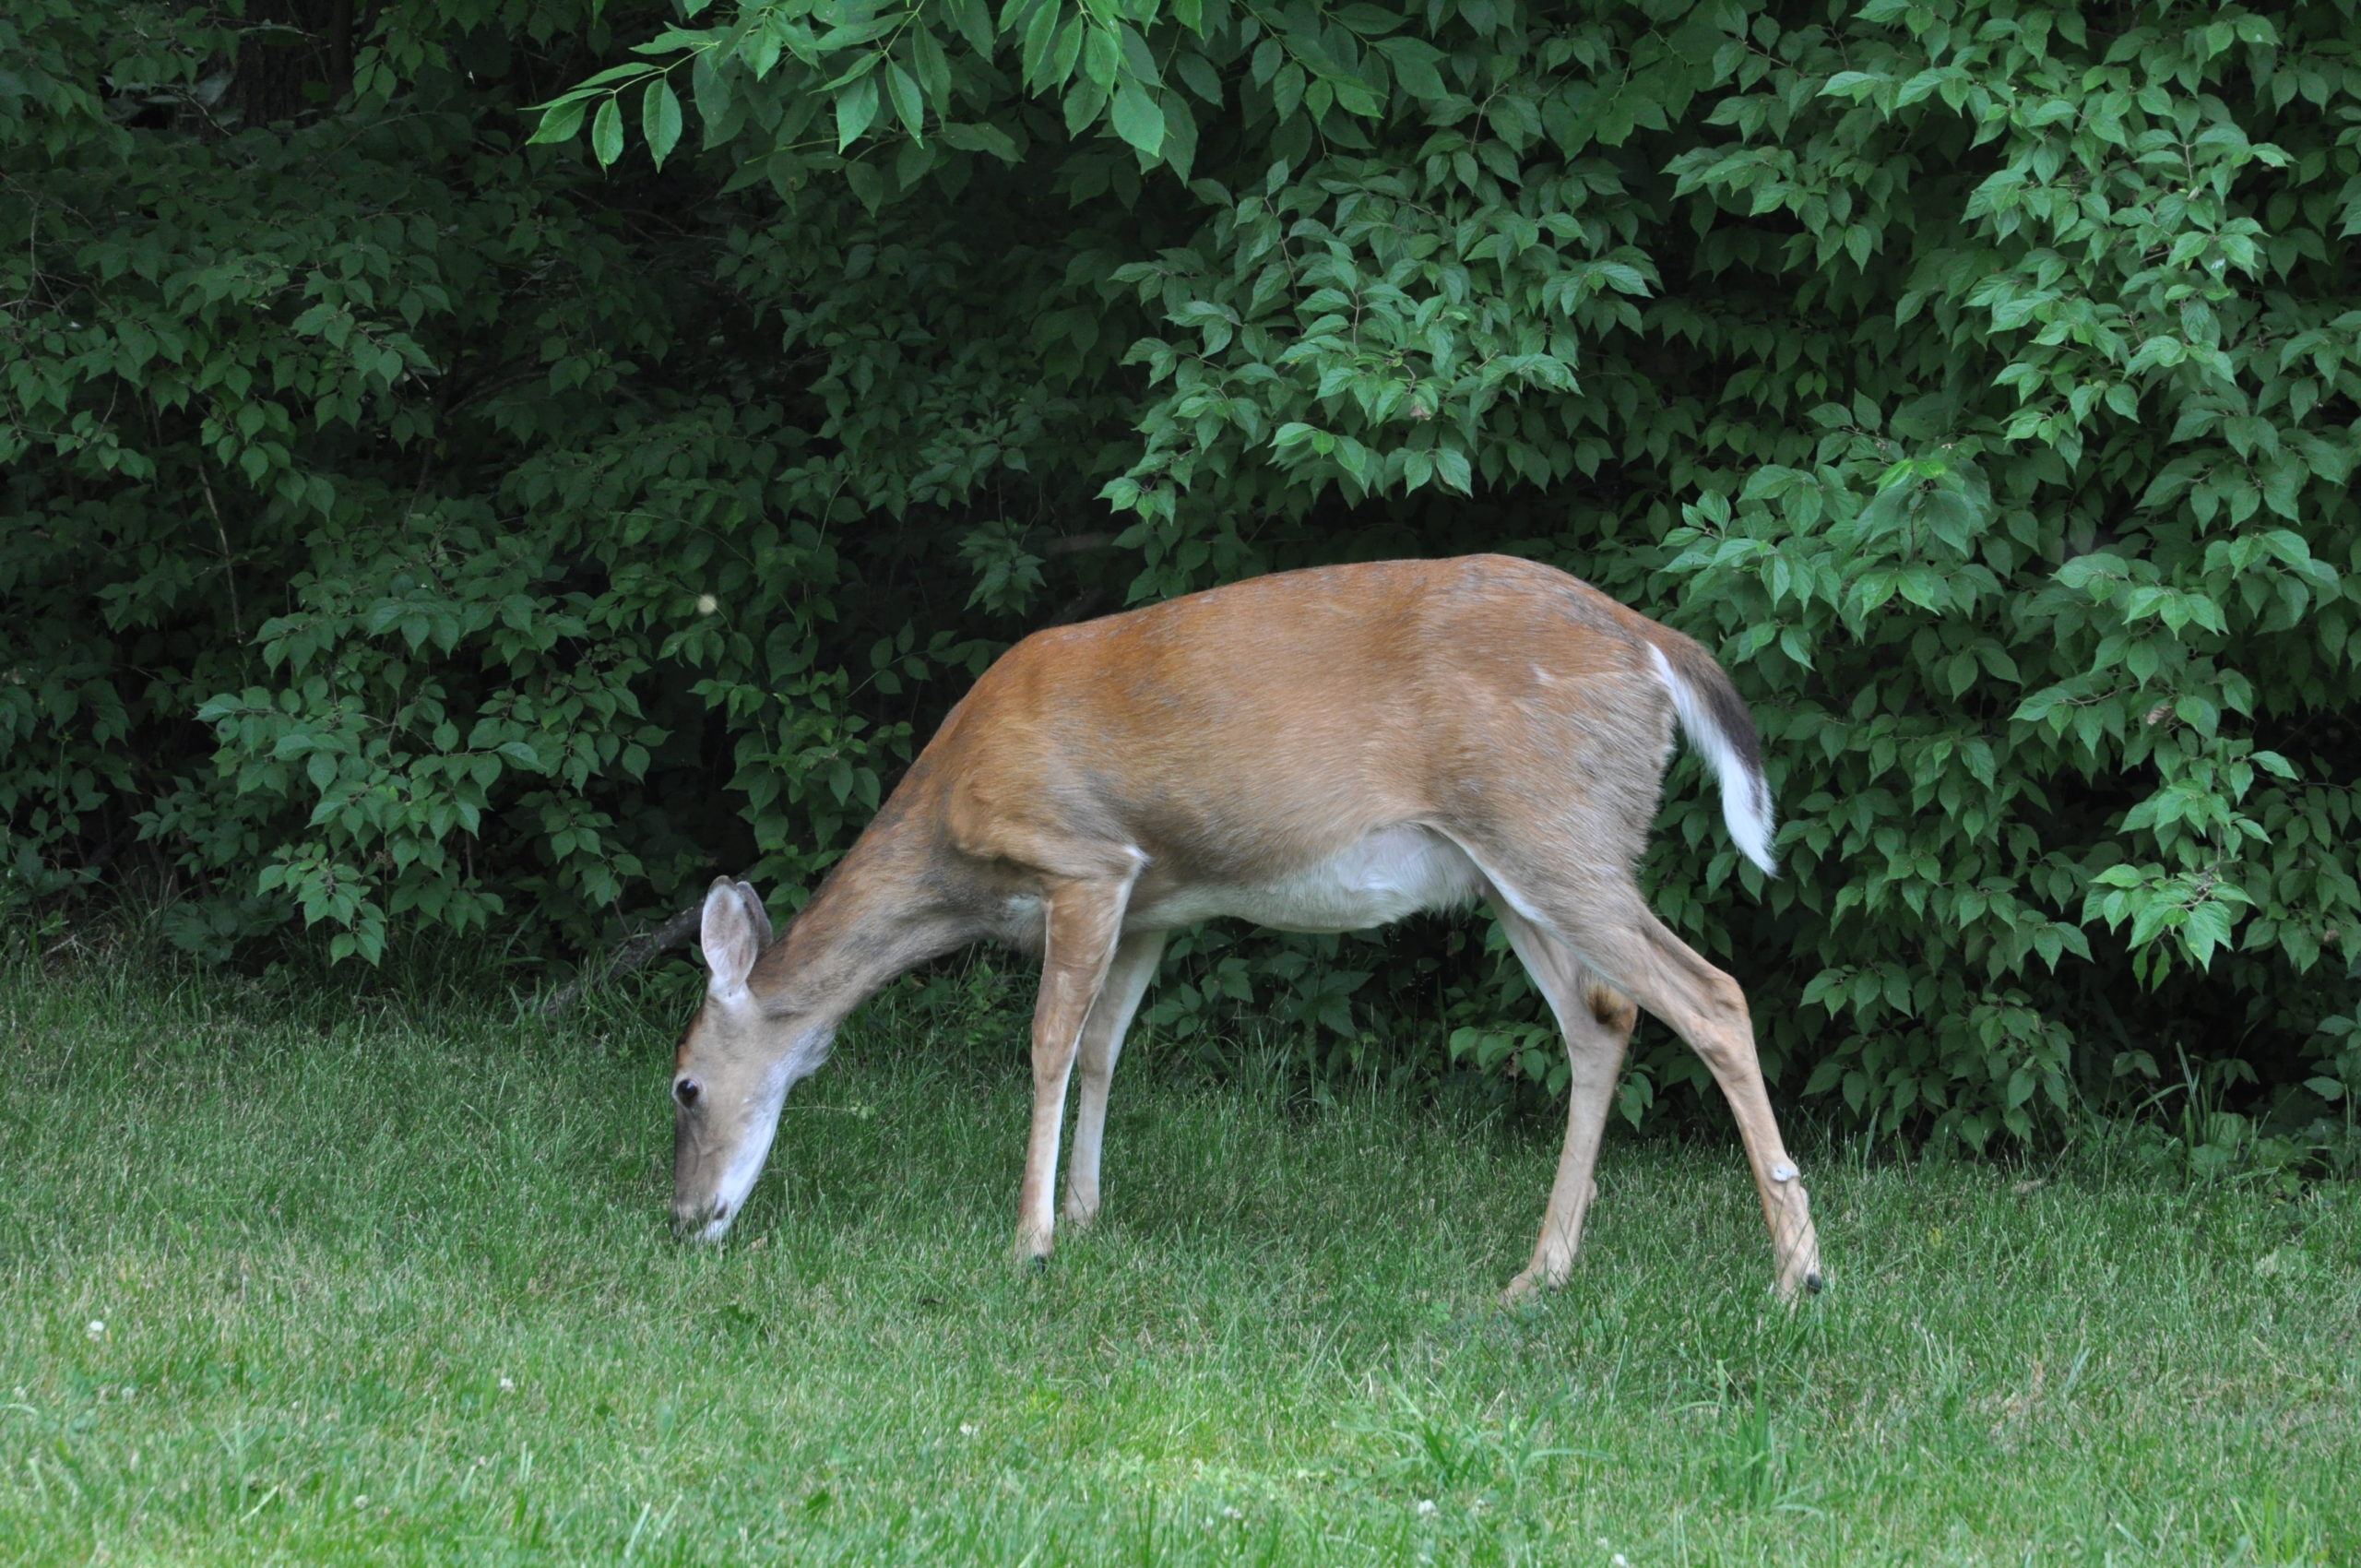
1179, 149
982, 138
929, 63
1199, 76
1102, 57
909, 104
1452, 468
851, 35
613, 76
867, 183
1040, 37
856, 111
714, 99
659, 119
559, 121
1138, 119
607, 133
1415, 63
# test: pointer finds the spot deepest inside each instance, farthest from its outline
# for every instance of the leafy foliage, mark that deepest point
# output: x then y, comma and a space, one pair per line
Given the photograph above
1979, 379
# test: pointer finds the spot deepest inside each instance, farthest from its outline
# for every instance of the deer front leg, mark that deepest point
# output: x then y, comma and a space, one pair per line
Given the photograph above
1083, 919
1102, 1043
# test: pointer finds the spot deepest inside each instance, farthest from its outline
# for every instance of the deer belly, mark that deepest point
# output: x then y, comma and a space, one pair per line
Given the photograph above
1379, 879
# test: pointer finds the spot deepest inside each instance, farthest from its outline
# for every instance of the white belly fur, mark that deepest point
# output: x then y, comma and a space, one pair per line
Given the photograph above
1390, 873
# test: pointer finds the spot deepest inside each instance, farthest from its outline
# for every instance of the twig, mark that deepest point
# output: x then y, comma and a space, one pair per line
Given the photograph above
628, 955
229, 573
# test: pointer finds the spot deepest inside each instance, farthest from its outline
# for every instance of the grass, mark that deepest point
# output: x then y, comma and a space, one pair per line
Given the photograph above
389, 1284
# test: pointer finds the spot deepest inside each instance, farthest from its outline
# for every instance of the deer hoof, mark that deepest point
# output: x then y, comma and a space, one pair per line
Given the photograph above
1531, 1286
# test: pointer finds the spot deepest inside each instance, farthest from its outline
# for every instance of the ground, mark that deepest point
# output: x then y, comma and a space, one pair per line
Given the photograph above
321, 1282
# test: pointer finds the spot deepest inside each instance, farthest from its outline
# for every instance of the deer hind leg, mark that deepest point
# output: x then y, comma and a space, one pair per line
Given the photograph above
1102, 1041
1596, 1021
1618, 938
1084, 919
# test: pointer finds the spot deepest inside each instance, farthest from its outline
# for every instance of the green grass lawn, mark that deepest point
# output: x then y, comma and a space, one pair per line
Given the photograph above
396, 1286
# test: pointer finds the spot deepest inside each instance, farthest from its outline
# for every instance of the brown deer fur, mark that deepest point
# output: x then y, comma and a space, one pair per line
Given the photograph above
1319, 750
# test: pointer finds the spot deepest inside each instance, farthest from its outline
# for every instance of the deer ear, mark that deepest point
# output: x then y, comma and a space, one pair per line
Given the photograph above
762, 916
730, 936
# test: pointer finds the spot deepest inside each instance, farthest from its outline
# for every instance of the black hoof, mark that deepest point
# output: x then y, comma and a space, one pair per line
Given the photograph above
1037, 1263
1814, 1284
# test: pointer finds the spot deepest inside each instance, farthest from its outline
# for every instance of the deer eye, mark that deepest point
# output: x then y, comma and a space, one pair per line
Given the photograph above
685, 1091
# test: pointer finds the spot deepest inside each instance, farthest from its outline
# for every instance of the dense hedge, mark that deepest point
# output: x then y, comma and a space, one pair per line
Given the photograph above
410, 528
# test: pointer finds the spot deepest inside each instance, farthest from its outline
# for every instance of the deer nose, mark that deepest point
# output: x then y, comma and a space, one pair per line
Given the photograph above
689, 1219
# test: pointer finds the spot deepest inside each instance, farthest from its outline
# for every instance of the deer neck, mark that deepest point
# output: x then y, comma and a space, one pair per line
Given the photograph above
880, 913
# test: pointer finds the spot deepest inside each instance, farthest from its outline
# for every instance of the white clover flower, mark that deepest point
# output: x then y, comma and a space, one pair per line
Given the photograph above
1425, 1506
508, 1385
967, 1429
97, 1328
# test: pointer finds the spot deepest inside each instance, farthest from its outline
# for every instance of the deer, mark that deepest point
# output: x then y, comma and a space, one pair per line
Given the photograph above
1325, 750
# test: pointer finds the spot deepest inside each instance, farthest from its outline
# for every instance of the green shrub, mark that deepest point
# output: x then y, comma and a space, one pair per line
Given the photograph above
413, 527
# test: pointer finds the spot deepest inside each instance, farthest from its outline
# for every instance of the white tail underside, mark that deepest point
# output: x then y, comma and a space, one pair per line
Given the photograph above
1746, 797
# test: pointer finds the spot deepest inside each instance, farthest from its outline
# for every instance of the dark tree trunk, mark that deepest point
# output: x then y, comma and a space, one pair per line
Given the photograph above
295, 58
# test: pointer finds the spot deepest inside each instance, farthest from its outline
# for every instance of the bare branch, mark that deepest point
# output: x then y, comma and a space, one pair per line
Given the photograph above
628, 955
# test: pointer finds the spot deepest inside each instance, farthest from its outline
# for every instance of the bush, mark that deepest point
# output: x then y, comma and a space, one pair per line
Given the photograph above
410, 528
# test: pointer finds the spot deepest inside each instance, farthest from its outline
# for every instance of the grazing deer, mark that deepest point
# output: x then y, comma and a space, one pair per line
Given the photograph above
1318, 751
